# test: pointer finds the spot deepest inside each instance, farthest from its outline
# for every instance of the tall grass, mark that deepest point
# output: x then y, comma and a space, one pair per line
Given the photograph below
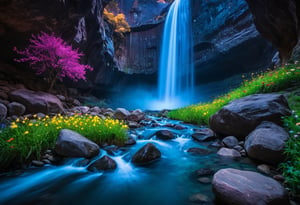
266, 82
291, 167
26, 139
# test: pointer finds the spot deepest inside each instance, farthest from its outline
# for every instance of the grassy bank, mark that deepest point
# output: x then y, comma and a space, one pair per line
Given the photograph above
269, 81
27, 139
291, 168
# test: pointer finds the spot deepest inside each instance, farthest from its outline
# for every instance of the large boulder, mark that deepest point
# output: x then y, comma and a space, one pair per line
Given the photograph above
279, 22
15, 108
146, 154
103, 164
242, 116
236, 187
72, 144
266, 143
3, 112
37, 101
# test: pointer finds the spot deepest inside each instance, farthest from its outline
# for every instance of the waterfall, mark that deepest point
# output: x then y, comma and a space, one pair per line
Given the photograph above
176, 70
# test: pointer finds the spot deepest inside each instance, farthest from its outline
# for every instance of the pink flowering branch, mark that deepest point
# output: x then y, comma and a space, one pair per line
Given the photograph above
50, 56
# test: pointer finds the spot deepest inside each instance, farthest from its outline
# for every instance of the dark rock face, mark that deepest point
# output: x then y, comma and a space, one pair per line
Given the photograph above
72, 144
103, 164
226, 40
266, 143
278, 21
232, 186
141, 47
242, 116
146, 154
37, 101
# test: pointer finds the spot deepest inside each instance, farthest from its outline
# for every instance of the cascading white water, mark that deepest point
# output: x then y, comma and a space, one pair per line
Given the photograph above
176, 71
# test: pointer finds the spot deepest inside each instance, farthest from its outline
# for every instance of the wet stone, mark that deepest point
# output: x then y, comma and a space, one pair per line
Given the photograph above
204, 180
164, 135
199, 198
265, 169
200, 151
204, 172
37, 163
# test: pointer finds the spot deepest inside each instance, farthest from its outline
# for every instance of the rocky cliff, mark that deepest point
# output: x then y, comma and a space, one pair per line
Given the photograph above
279, 22
226, 41
79, 22
225, 38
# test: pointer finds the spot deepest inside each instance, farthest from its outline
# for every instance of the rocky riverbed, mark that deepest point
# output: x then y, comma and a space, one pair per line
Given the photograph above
165, 161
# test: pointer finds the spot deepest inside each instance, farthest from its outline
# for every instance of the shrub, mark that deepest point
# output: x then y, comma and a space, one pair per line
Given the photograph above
52, 57
118, 22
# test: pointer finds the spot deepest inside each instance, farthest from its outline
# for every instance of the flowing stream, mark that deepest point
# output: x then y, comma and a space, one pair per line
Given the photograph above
176, 71
169, 180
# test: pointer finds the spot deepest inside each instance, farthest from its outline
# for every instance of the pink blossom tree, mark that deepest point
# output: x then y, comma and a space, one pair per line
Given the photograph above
54, 58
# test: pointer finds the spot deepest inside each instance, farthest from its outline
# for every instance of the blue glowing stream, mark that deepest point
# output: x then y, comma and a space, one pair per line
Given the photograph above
176, 71
170, 180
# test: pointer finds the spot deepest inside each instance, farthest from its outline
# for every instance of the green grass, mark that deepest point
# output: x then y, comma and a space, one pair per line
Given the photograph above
269, 81
27, 139
291, 168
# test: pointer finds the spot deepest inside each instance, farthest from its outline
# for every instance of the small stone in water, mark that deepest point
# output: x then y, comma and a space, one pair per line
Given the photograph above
199, 198
46, 161
37, 163
263, 168
204, 180
204, 172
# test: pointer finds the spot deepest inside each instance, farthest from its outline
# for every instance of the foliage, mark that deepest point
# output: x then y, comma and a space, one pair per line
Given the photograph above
118, 22
291, 168
269, 81
51, 56
26, 139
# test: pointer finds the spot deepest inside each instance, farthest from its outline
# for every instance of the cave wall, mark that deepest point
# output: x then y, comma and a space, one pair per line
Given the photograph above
279, 22
226, 41
140, 50
78, 22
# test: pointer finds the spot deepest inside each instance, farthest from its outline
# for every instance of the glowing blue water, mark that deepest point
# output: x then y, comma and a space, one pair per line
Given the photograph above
176, 71
170, 180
